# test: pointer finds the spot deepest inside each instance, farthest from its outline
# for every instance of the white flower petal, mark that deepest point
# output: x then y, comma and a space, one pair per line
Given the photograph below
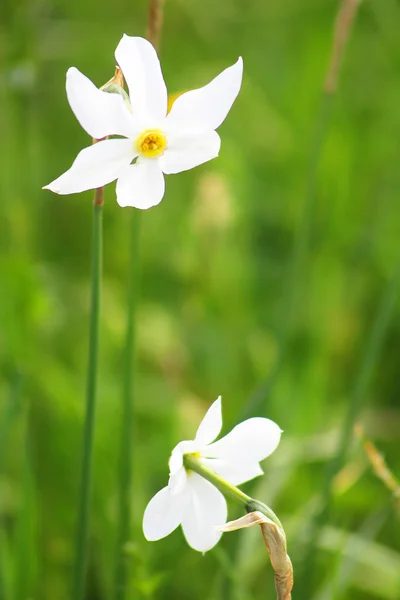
236, 470
207, 509
176, 459
163, 514
142, 71
211, 424
99, 113
177, 481
186, 151
207, 107
141, 185
251, 441
94, 167
175, 462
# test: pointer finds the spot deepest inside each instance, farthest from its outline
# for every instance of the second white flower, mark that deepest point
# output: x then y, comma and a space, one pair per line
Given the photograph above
191, 501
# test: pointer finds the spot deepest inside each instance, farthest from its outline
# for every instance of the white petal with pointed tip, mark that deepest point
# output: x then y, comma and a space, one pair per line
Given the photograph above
163, 514
94, 167
142, 71
207, 107
189, 150
141, 185
211, 424
207, 509
254, 439
99, 113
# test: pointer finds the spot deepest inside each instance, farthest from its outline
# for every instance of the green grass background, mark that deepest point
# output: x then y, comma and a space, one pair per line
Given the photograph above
215, 297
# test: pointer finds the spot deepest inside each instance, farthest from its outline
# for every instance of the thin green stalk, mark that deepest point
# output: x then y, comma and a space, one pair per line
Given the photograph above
81, 556
155, 21
8, 416
5, 566
126, 447
366, 370
25, 535
227, 489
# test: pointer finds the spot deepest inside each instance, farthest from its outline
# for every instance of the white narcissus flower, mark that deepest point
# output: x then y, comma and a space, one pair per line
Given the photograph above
191, 501
160, 143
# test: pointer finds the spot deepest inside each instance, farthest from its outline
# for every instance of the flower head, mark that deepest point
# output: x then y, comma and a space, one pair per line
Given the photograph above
191, 501
158, 142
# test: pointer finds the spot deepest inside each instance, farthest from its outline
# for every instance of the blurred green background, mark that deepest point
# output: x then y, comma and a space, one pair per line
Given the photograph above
218, 292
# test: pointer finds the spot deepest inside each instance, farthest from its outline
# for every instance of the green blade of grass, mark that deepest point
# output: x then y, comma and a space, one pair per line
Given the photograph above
8, 416
121, 577
88, 435
25, 533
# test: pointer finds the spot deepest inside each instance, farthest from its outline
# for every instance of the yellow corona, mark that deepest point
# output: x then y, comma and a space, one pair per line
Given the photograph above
151, 143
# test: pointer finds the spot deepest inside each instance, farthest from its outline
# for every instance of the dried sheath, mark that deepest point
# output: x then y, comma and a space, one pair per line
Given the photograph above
275, 541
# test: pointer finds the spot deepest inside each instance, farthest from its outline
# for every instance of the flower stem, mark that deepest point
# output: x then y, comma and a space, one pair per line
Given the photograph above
126, 447
192, 463
155, 21
88, 434
255, 505
230, 491
7, 419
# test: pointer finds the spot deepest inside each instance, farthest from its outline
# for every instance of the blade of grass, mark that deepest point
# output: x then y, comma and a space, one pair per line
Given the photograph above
5, 567
25, 547
126, 439
10, 413
89, 425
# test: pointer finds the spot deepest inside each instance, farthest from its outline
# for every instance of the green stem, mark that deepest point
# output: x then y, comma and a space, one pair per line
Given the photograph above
9, 414
88, 434
126, 447
5, 587
192, 463
7, 419
25, 536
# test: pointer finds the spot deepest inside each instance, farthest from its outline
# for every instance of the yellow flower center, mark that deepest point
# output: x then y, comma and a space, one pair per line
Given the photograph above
151, 143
